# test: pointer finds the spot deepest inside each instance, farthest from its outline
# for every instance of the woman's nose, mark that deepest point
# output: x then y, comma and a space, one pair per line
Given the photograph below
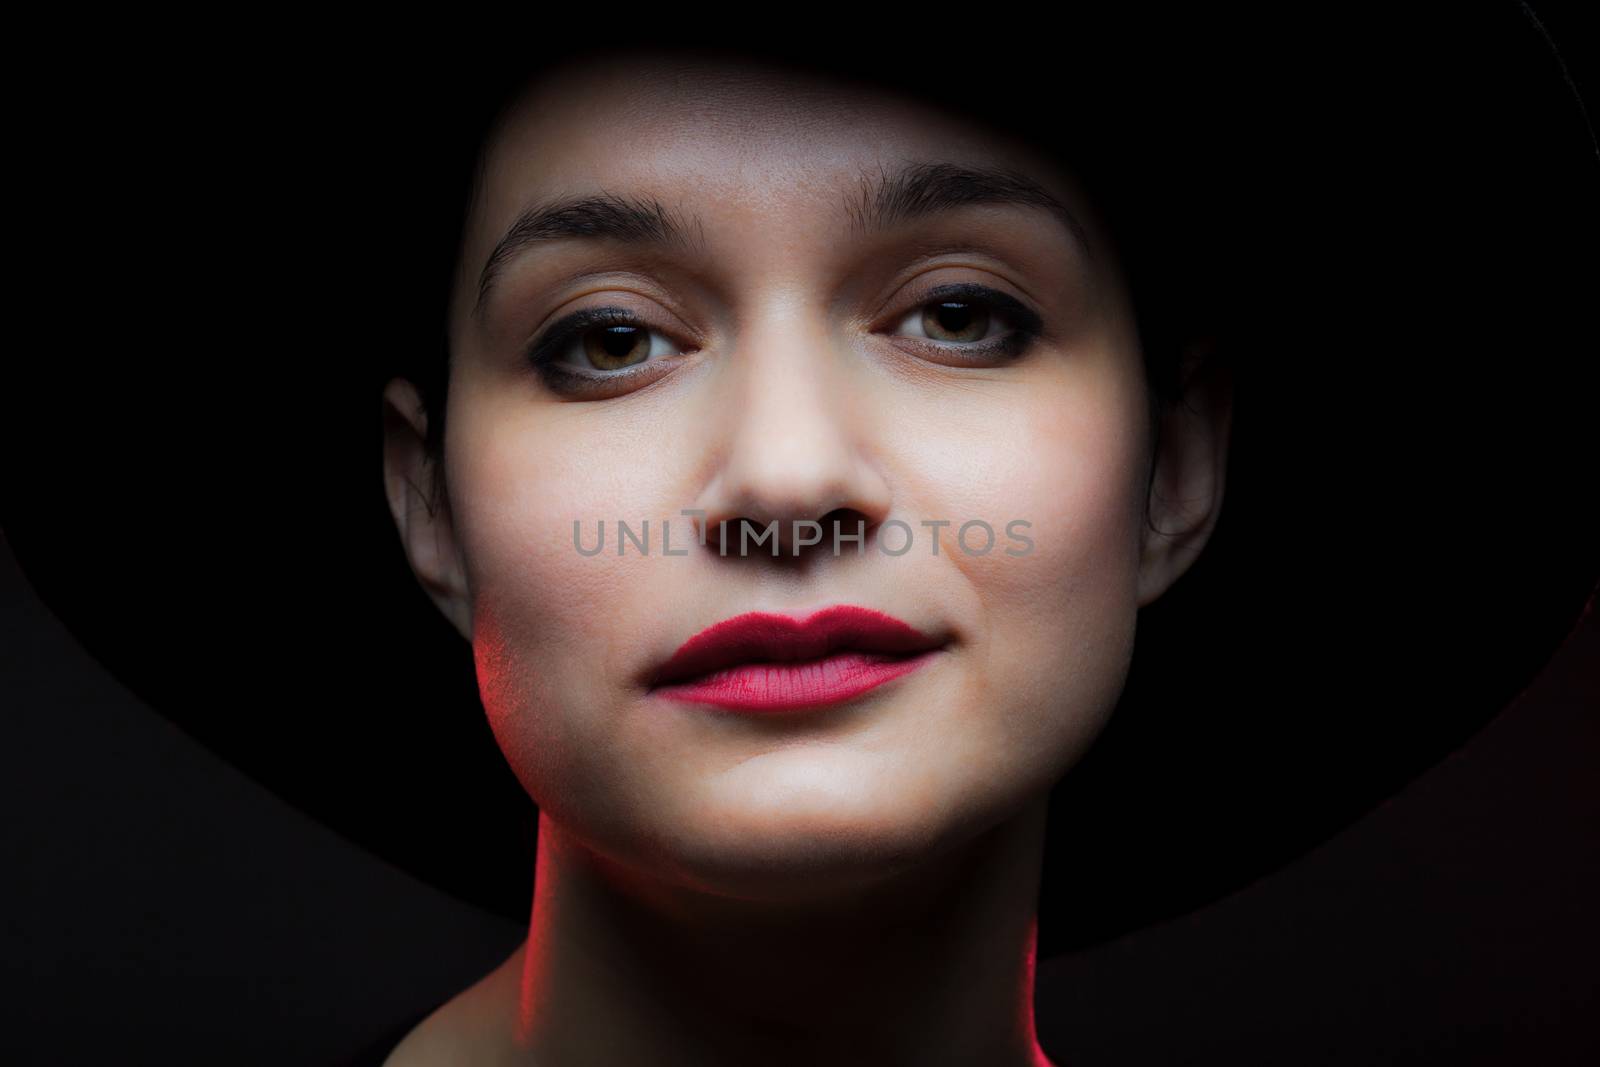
795, 471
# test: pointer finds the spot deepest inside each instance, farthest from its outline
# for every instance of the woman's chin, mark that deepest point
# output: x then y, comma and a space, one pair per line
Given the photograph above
797, 830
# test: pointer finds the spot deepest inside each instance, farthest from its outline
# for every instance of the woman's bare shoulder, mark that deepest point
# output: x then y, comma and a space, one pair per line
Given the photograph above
474, 1026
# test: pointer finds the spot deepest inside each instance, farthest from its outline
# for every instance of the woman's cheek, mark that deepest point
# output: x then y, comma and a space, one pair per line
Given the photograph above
1058, 617
541, 610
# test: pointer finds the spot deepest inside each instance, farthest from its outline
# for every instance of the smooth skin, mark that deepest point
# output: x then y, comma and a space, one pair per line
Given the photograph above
852, 885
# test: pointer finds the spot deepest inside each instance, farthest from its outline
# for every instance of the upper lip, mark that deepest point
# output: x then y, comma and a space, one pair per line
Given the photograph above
762, 637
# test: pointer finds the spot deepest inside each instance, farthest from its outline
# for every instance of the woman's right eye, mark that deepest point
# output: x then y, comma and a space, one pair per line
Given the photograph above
598, 349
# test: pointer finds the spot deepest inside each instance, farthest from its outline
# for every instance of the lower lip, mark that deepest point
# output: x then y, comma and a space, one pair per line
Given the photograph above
771, 687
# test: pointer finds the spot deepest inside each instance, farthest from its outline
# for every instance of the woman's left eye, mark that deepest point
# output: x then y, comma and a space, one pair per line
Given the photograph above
972, 320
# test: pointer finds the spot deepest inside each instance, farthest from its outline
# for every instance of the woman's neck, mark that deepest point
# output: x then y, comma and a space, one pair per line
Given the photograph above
933, 966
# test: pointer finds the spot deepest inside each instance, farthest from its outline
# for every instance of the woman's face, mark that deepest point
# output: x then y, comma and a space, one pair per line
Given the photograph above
775, 241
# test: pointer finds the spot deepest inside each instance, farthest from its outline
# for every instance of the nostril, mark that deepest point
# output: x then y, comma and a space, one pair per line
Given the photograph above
846, 528
747, 537
741, 536
842, 530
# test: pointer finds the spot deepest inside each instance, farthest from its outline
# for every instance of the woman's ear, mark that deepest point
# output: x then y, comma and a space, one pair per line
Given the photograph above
424, 522
1188, 472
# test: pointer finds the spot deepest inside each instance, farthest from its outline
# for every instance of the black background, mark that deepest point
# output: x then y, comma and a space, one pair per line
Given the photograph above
161, 907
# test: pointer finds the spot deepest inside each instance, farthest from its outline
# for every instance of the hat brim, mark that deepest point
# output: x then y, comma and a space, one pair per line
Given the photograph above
1407, 534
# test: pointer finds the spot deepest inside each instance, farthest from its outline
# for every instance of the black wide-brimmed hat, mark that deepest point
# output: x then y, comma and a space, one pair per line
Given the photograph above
1386, 229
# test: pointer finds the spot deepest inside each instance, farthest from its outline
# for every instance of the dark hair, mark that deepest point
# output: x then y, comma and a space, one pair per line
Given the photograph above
1129, 159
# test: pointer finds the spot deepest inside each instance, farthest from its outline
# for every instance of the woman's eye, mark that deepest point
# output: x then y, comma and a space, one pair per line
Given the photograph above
597, 349
972, 319
951, 320
616, 347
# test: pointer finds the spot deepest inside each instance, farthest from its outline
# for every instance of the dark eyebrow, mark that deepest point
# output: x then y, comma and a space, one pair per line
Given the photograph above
920, 189
914, 191
638, 220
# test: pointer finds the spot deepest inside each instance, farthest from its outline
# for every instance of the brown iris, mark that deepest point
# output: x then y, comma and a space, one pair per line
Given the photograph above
615, 347
955, 320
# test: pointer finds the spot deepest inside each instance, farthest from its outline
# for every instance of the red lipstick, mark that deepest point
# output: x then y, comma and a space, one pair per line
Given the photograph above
760, 662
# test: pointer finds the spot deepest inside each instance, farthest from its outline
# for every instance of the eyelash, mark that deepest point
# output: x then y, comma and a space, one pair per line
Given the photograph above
544, 353
1026, 326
